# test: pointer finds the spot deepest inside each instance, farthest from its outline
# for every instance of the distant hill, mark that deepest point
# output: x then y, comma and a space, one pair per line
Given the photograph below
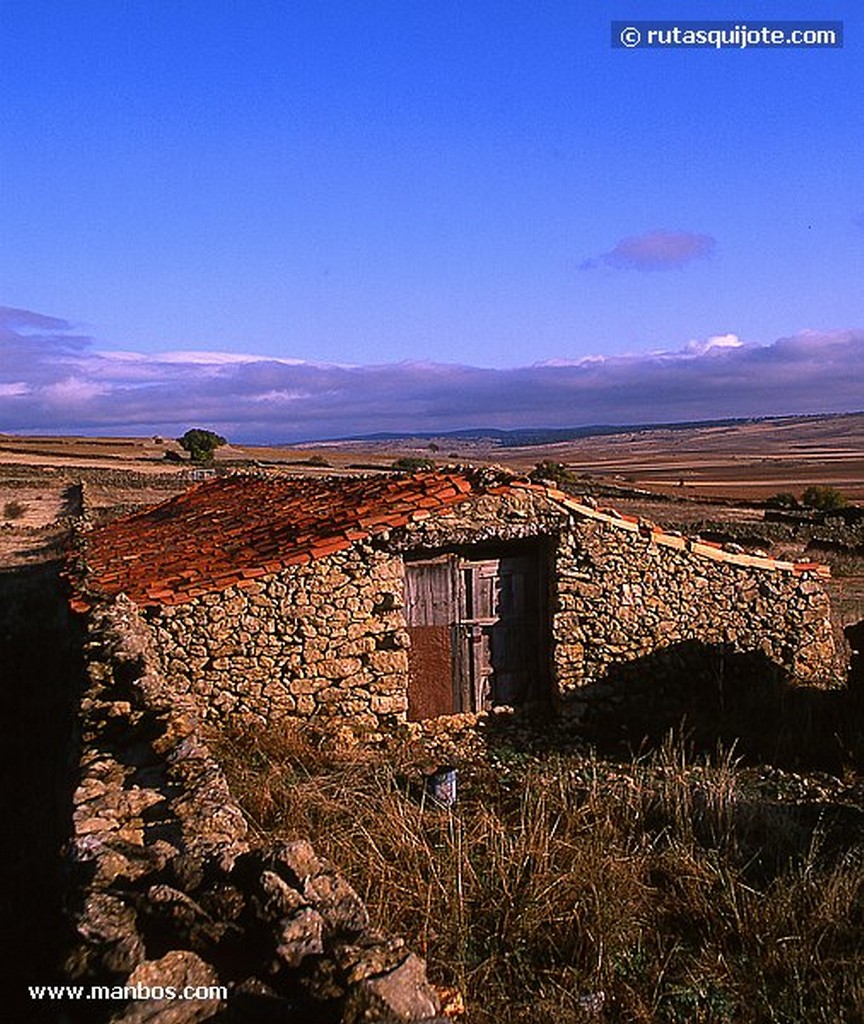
526, 437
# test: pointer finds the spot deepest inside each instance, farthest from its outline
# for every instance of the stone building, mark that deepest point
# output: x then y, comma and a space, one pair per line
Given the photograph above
373, 599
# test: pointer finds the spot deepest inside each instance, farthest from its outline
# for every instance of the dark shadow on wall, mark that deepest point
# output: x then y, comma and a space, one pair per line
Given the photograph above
40, 675
854, 635
714, 695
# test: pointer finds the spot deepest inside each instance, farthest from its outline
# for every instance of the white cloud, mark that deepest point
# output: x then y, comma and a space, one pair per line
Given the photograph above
584, 361
716, 342
70, 387
72, 391
280, 396
204, 358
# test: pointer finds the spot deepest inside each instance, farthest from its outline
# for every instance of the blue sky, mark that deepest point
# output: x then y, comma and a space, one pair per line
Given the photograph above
289, 220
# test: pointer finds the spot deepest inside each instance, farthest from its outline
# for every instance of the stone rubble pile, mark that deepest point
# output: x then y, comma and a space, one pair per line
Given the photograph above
168, 889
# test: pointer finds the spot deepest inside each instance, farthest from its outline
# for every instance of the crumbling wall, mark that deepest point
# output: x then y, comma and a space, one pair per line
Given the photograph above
168, 889
501, 514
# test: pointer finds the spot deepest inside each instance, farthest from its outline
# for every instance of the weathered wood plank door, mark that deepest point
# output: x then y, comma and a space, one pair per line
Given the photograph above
431, 611
502, 620
477, 633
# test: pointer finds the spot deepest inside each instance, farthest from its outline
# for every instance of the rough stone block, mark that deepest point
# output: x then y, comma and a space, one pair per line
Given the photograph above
388, 661
400, 994
178, 969
382, 704
338, 668
300, 687
109, 925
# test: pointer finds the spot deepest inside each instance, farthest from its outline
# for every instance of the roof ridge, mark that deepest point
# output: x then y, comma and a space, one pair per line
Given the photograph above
667, 538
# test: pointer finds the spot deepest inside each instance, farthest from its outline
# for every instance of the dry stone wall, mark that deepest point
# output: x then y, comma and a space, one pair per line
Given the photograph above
323, 641
619, 593
508, 515
326, 641
168, 889
622, 597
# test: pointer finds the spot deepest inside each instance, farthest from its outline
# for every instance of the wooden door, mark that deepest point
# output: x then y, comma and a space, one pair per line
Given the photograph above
502, 620
477, 633
431, 613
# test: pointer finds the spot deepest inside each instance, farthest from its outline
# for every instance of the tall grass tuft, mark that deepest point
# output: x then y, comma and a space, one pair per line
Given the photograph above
570, 887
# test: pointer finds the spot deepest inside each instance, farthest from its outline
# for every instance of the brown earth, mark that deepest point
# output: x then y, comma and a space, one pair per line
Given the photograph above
744, 461
711, 473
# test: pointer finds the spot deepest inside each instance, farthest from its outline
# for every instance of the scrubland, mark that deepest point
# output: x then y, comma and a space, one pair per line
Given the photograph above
569, 884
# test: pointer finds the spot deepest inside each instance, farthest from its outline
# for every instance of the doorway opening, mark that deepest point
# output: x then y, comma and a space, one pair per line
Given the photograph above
478, 624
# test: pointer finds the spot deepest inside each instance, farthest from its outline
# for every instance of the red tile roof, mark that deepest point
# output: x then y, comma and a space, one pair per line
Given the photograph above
232, 530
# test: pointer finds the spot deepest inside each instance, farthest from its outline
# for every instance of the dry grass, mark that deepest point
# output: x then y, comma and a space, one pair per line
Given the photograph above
669, 885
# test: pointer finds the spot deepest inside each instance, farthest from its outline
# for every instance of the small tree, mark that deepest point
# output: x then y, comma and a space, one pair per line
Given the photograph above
14, 510
413, 464
823, 498
201, 444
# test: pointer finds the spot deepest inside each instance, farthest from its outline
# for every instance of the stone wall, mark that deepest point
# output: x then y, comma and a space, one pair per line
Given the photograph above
622, 591
840, 529
622, 596
167, 888
321, 641
503, 514
327, 640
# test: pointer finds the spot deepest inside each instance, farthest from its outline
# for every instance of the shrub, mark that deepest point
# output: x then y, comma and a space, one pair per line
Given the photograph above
549, 470
782, 500
14, 510
823, 498
413, 464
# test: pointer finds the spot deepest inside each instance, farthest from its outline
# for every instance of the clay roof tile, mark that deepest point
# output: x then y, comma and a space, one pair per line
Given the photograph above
233, 530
